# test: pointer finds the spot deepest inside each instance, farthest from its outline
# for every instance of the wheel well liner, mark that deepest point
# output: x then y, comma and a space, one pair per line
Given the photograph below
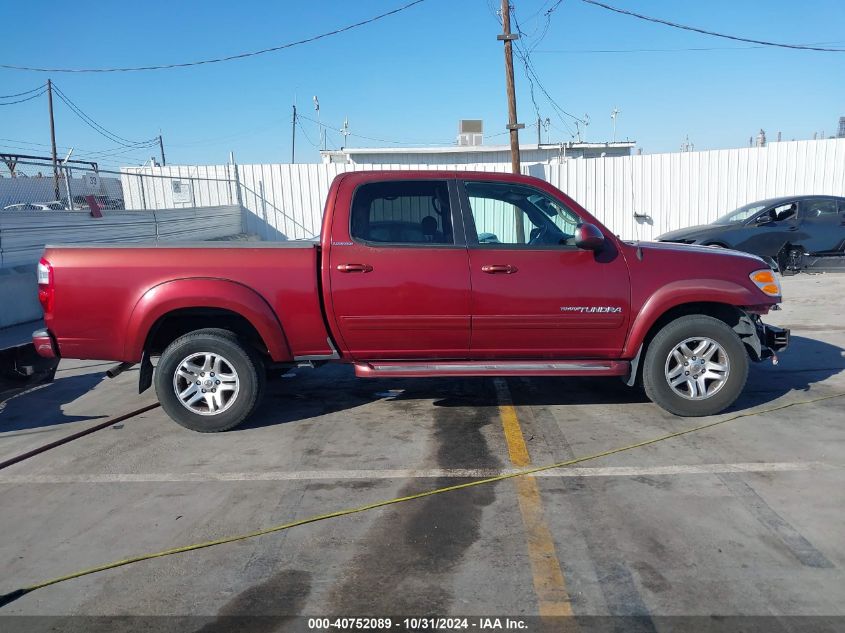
176, 323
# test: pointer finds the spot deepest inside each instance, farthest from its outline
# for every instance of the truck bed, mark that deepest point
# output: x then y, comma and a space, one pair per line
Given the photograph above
99, 289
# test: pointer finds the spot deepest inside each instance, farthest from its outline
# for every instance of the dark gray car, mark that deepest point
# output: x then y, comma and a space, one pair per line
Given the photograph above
790, 232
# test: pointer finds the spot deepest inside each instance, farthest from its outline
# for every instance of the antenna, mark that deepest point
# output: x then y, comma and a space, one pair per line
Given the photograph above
614, 113
345, 130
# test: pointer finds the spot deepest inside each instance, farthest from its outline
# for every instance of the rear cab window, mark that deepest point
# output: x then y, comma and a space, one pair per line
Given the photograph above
403, 212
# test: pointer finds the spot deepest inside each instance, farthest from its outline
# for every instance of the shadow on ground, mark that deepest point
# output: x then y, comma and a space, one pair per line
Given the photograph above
332, 389
41, 406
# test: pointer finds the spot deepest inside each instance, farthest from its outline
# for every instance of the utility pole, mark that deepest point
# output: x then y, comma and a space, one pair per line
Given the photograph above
53, 141
539, 137
161, 147
507, 37
293, 137
320, 125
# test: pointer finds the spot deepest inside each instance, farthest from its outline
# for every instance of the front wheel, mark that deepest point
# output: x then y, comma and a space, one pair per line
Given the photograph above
696, 365
208, 381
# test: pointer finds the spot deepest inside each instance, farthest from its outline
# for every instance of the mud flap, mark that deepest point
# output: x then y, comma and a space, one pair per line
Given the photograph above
145, 373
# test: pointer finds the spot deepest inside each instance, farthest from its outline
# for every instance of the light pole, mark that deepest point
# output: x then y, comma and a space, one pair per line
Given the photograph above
613, 116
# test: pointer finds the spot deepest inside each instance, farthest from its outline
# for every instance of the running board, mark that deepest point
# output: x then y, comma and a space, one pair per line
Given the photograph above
411, 369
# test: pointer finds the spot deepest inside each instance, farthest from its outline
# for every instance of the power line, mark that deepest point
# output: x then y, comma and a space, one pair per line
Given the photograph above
713, 33
35, 96
219, 59
307, 138
114, 138
578, 51
369, 138
19, 94
524, 54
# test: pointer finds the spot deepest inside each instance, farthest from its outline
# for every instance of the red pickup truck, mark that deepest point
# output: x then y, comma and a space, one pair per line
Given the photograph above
416, 273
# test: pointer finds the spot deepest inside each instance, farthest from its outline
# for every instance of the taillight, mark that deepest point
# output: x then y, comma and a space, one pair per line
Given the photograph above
766, 281
46, 290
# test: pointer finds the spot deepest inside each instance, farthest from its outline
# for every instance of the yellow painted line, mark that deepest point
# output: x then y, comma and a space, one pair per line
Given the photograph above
549, 582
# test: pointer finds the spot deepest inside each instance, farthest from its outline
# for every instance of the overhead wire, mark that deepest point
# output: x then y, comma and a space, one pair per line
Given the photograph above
217, 60
524, 54
369, 138
695, 29
35, 96
25, 92
115, 138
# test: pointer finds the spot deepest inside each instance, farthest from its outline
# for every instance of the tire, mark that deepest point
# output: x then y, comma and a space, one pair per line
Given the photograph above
663, 362
240, 371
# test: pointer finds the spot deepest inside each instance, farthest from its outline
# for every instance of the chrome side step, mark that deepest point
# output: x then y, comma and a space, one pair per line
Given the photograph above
411, 369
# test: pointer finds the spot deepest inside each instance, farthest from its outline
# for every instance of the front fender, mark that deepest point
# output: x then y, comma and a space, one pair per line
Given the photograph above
681, 292
204, 293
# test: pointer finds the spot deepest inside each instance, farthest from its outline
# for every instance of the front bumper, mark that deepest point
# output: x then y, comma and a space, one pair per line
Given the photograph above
772, 339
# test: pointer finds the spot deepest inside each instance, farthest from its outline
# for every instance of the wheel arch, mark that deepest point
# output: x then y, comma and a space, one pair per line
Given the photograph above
166, 310
719, 298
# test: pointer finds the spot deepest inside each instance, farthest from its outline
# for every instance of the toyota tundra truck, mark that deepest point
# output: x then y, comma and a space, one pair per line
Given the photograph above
416, 274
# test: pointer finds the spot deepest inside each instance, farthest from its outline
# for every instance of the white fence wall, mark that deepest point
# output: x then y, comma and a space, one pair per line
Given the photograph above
685, 189
23, 235
151, 187
671, 190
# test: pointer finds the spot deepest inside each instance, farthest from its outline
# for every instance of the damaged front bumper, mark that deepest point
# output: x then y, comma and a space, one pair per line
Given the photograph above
764, 341
761, 339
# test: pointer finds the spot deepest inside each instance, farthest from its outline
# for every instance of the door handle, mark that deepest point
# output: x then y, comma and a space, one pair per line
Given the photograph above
354, 268
494, 269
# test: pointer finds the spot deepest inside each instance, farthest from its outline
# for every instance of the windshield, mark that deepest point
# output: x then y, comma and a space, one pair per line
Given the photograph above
741, 214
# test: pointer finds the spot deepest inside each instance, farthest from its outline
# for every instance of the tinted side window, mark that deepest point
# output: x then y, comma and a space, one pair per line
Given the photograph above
402, 212
519, 215
821, 211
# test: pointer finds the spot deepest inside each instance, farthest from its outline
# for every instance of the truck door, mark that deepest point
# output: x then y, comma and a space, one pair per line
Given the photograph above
398, 270
534, 293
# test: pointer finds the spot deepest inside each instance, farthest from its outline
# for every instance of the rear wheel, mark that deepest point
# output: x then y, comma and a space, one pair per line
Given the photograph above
696, 365
208, 381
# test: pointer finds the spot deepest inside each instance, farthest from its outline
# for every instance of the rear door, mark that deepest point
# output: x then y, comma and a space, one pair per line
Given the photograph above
399, 272
534, 293
822, 225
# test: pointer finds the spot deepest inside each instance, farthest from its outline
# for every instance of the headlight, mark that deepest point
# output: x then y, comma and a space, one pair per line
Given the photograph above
766, 281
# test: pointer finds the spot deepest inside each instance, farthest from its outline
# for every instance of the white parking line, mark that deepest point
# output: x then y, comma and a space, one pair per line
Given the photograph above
469, 473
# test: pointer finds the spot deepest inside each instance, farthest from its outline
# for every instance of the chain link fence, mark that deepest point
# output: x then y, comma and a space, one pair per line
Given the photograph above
34, 185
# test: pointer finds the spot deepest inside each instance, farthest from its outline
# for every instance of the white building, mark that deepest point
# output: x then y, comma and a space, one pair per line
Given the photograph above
548, 153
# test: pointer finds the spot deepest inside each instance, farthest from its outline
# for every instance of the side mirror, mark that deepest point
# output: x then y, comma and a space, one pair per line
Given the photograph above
588, 237
771, 216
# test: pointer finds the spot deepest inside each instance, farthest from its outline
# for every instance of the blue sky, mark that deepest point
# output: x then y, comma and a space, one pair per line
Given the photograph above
411, 76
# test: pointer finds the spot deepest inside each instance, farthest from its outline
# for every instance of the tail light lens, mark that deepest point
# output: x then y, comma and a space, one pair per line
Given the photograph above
46, 289
766, 281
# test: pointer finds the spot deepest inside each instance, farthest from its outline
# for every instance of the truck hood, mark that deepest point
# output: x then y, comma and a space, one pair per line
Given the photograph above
713, 251
694, 233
